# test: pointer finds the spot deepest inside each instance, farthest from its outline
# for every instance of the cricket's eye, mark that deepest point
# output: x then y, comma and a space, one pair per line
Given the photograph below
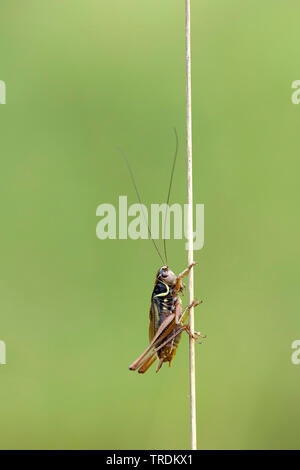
165, 274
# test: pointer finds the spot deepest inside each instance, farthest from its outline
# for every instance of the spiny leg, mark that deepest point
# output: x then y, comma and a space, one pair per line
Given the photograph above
187, 327
196, 334
161, 333
164, 330
161, 361
147, 365
161, 346
187, 270
143, 363
183, 274
183, 315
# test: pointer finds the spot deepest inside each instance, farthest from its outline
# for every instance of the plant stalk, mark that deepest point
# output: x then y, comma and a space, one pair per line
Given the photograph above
190, 221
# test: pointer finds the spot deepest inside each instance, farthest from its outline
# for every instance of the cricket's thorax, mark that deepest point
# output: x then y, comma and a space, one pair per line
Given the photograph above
165, 297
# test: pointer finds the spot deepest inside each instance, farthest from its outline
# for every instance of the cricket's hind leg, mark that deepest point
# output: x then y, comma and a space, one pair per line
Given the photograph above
147, 365
161, 333
147, 361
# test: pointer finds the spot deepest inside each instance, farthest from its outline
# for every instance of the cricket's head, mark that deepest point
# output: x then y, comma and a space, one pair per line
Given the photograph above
166, 275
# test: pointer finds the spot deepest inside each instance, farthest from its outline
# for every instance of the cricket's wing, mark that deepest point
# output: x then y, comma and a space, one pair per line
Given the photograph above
154, 319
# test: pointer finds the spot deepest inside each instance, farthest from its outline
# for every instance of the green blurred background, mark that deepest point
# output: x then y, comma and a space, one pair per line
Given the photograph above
84, 77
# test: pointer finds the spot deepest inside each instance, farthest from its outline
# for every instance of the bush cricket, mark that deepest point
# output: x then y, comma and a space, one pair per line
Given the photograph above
167, 319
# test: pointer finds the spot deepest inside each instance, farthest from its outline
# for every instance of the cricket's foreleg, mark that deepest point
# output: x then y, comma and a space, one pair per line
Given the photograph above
183, 274
186, 271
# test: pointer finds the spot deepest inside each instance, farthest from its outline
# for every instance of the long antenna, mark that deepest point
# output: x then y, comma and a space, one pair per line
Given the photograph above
169, 192
190, 220
140, 201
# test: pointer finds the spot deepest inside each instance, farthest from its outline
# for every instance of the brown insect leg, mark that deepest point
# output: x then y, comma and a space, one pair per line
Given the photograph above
183, 274
186, 311
160, 334
180, 316
178, 311
143, 363
161, 361
161, 345
187, 270
195, 336
147, 365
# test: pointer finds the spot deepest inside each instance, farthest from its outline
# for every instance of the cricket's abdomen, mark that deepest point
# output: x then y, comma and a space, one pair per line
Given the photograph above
167, 352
